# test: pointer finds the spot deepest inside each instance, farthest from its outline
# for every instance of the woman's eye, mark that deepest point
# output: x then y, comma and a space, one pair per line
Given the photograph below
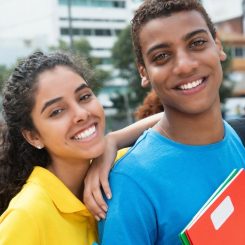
56, 112
85, 97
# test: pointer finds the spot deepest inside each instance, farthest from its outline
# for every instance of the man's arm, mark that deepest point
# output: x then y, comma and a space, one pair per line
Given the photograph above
131, 218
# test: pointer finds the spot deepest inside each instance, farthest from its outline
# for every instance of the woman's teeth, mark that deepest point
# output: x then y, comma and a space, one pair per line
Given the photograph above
86, 133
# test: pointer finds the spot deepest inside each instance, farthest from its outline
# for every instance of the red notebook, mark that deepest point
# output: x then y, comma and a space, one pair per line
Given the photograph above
221, 221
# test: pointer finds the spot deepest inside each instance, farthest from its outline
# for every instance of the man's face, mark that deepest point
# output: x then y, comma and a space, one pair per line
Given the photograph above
182, 62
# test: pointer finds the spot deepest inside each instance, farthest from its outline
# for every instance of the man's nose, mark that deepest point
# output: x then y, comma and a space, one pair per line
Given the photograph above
185, 63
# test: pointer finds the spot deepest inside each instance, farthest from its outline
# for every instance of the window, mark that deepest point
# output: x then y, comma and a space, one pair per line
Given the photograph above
94, 20
87, 32
64, 31
95, 3
102, 32
238, 52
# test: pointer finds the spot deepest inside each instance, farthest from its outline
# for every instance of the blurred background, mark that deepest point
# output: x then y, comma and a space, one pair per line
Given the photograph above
99, 30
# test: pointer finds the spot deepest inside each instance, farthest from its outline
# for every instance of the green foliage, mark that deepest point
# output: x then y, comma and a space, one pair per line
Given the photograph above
227, 85
82, 48
124, 60
4, 74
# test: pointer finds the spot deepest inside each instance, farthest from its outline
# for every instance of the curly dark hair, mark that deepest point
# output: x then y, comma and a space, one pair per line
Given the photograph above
152, 9
17, 156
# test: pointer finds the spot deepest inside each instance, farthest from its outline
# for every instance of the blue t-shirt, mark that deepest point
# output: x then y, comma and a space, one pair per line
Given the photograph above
159, 185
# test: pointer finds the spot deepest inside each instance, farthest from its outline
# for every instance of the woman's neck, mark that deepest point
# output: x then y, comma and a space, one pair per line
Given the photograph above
71, 174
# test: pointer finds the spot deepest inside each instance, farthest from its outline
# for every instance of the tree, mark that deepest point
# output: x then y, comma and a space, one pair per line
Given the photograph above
124, 60
82, 48
4, 74
227, 85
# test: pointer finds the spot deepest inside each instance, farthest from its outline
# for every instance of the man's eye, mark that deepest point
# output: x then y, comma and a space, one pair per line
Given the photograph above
161, 57
56, 112
198, 43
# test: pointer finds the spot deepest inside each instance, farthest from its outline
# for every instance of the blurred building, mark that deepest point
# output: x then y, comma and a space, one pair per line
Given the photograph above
27, 25
229, 19
232, 32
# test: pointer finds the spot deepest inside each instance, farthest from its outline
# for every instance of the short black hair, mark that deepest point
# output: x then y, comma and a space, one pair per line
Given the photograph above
152, 9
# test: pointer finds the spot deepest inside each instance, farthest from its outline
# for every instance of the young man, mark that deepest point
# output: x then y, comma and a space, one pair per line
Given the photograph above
160, 184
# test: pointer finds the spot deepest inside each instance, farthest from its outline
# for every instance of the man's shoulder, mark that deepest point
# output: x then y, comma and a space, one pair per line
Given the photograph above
137, 157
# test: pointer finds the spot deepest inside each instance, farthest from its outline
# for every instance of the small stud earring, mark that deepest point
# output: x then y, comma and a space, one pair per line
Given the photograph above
39, 147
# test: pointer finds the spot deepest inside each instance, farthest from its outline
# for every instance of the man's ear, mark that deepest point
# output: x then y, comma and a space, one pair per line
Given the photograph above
144, 78
32, 138
222, 54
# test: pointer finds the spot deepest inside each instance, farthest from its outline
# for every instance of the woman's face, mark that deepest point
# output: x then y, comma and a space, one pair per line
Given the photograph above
68, 117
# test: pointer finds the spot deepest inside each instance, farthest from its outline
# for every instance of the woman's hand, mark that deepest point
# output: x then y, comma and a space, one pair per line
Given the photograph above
96, 181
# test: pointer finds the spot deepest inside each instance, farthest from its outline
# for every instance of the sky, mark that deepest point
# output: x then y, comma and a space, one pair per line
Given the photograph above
223, 9
218, 10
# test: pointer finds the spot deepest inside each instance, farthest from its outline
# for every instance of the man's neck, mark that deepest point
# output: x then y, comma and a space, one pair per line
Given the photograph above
206, 128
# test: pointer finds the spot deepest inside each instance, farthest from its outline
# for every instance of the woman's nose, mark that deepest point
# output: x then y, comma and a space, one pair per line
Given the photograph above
80, 113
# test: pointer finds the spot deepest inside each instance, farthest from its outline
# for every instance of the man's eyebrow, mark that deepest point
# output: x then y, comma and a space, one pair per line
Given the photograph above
193, 33
158, 46
185, 38
50, 102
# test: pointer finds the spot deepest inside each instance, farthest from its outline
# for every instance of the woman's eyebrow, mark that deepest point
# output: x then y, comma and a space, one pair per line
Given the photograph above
80, 87
52, 101
49, 103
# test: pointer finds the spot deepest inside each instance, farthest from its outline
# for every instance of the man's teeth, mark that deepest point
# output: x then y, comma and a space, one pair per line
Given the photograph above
191, 85
85, 134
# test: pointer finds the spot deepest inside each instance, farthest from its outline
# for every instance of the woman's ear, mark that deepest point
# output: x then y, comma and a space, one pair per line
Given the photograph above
32, 138
144, 78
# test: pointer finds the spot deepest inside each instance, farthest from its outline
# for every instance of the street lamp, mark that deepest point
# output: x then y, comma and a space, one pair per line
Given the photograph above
70, 23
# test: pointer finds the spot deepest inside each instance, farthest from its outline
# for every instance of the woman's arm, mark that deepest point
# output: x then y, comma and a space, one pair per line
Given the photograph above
97, 175
127, 136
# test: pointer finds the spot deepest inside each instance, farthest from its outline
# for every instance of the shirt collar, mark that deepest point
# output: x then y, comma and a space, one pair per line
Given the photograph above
62, 197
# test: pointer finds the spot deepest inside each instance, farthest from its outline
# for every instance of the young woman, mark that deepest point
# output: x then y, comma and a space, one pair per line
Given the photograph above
54, 127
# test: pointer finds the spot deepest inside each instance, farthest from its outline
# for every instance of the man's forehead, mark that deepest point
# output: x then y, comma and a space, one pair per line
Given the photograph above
177, 20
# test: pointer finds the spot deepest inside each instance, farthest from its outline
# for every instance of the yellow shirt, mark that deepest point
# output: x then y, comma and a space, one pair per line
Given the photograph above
121, 153
46, 212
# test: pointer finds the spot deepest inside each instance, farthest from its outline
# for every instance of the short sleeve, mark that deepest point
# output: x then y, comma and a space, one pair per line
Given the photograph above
18, 228
121, 153
131, 218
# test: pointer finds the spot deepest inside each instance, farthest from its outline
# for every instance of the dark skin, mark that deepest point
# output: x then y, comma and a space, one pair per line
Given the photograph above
184, 69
